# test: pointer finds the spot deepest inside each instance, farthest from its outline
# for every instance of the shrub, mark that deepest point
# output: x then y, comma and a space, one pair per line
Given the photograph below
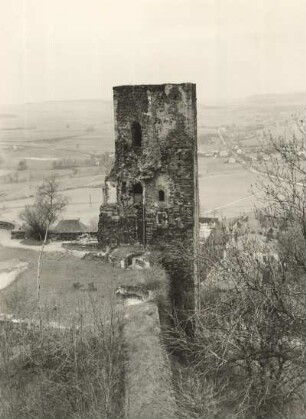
248, 349
76, 372
22, 165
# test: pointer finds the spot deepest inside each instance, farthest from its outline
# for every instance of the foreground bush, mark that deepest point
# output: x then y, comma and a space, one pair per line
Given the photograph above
53, 373
247, 357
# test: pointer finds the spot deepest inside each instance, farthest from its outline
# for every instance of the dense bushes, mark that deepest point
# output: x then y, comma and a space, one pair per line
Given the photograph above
247, 357
242, 363
62, 373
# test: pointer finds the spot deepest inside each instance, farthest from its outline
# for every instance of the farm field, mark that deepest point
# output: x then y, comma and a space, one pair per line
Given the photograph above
84, 203
219, 189
225, 190
227, 195
65, 139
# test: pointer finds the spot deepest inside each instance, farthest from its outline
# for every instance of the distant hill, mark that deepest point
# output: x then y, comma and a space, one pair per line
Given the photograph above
34, 121
282, 99
49, 114
7, 115
59, 118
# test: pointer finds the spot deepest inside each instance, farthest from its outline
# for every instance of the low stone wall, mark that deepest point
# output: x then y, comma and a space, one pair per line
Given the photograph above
54, 236
62, 236
18, 234
149, 392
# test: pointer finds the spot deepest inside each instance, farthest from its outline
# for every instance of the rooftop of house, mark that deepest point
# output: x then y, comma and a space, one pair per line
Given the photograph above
70, 226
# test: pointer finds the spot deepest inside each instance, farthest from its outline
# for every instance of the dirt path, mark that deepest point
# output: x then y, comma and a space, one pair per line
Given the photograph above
9, 270
6, 241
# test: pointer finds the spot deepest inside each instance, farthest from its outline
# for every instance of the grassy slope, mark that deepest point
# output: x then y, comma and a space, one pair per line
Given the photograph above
60, 302
147, 371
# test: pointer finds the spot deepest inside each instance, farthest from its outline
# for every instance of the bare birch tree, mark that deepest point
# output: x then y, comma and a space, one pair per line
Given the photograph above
39, 217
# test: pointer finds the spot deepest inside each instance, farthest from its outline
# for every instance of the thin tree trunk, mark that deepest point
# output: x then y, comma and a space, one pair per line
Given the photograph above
38, 272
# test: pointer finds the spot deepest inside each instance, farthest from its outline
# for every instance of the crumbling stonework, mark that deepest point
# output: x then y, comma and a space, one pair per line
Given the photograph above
151, 194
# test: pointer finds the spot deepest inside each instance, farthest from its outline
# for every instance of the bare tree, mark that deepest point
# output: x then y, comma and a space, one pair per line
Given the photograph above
48, 205
250, 343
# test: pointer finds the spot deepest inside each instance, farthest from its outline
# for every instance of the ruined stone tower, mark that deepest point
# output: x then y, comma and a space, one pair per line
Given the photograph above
151, 194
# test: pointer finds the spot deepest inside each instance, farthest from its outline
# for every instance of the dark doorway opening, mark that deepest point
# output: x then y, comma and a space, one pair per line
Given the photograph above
140, 212
137, 193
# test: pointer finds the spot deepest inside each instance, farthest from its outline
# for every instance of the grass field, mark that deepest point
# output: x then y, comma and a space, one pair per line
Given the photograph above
106, 359
73, 364
225, 189
60, 301
227, 195
224, 194
46, 132
84, 203
219, 185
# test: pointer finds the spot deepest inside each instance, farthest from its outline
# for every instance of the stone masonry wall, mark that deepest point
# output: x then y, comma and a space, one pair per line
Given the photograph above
156, 152
166, 158
115, 229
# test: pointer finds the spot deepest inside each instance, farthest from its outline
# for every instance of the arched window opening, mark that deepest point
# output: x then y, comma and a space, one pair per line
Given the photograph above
161, 195
136, 134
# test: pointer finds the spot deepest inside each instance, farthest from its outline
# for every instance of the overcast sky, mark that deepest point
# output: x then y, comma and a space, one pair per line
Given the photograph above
79, 49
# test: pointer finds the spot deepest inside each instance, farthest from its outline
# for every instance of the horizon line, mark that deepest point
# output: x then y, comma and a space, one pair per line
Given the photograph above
209, 101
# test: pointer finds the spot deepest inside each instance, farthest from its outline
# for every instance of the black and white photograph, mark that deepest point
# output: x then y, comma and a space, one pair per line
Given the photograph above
152, 209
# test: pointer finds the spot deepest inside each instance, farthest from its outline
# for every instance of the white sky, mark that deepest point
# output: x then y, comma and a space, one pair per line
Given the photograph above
79, 49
